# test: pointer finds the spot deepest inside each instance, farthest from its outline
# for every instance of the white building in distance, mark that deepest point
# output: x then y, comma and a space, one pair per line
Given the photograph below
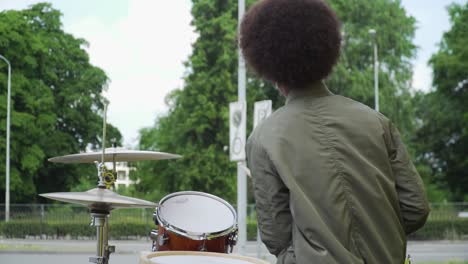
123, 175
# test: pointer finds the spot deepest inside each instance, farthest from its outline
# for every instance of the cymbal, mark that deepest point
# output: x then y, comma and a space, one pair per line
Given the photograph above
114, 154
98, 198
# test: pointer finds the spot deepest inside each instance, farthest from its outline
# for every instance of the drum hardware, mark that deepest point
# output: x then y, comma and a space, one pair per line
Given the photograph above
232, 241
101, 172
114, 155
101, 200
100, 221
154, 238
109, 179
163, 239
203, 246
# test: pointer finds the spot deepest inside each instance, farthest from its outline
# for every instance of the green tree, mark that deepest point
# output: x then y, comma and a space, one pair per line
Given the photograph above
443, 136
354, 75
197, 126
56, 100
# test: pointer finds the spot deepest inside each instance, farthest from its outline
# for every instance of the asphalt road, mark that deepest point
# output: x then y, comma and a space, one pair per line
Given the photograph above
74, 251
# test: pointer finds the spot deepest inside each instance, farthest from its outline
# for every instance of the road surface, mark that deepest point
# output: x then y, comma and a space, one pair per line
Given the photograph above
78, 251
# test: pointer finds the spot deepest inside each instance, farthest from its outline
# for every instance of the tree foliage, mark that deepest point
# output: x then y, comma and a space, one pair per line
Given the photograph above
443, 136
56, 102
354, 75
197, 126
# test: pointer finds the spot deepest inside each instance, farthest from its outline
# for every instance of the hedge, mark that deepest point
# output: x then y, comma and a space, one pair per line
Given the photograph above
118, 230
433, 230
445, 229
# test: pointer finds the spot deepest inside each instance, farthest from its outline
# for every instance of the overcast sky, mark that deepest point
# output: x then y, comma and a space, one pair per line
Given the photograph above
142, 44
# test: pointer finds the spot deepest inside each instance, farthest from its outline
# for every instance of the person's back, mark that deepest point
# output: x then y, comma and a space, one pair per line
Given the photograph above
334, 156
332, 180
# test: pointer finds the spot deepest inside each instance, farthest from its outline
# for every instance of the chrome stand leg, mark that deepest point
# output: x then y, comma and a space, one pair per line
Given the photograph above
103, 250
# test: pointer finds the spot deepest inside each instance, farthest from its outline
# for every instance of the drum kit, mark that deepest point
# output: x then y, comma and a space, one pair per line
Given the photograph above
193, 227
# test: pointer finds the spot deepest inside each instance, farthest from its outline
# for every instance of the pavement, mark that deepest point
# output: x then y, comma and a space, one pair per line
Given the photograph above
128, 251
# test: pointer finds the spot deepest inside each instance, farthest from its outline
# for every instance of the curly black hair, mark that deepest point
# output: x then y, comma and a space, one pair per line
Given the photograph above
291, 42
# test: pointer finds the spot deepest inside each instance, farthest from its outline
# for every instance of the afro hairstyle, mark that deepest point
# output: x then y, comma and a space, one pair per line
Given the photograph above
291, 42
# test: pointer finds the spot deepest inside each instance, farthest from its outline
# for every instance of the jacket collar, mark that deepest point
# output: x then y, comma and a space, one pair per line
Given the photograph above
315, 90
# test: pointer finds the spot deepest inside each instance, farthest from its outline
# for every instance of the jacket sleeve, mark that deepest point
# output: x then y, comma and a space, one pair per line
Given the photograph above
272, 201
409, 185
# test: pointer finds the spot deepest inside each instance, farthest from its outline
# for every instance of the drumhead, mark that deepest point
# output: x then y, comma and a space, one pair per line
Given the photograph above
184, 257
196, 213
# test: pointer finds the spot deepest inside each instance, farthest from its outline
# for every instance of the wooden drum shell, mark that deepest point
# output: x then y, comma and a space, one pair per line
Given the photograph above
177, 242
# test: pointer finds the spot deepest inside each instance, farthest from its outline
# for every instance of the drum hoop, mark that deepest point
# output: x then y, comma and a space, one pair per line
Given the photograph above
146, 259
195, 235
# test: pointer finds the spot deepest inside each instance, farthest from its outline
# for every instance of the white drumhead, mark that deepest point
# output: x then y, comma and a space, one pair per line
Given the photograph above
192, 257
197, 213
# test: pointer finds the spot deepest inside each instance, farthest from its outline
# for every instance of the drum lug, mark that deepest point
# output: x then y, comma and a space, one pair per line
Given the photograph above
232, 241
162, 239
203, 246
154, 234
154, 238
154, 246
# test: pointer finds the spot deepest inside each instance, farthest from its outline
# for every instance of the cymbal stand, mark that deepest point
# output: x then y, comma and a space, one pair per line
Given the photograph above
114, 171
101, 166
101, 170
99, 219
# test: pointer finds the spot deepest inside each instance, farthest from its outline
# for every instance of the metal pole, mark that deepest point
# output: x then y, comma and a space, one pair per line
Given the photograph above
376, 76
373, 33
100, 221
7, 186
241, 177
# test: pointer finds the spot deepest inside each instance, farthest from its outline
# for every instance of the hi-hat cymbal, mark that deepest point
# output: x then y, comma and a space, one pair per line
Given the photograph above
114, 154
98, 198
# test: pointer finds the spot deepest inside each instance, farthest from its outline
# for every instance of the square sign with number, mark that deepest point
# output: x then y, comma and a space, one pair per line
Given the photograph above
262, 109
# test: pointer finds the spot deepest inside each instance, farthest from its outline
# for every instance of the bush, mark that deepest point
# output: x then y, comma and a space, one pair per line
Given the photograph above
454, 229
118, 230
251, 230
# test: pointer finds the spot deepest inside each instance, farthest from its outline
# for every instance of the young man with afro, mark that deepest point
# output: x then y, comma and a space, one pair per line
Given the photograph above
332, 179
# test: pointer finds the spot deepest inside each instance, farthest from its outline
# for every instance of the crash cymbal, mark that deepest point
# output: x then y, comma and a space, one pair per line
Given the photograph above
98, 198
114, 154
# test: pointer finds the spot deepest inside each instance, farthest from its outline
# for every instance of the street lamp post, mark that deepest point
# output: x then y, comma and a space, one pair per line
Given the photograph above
7, 187
373, 33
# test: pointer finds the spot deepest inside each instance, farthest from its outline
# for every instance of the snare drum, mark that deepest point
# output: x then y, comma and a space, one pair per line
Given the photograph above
185, 257
194, 221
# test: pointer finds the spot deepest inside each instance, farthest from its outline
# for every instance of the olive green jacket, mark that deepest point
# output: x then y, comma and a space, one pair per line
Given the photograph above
333, 182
